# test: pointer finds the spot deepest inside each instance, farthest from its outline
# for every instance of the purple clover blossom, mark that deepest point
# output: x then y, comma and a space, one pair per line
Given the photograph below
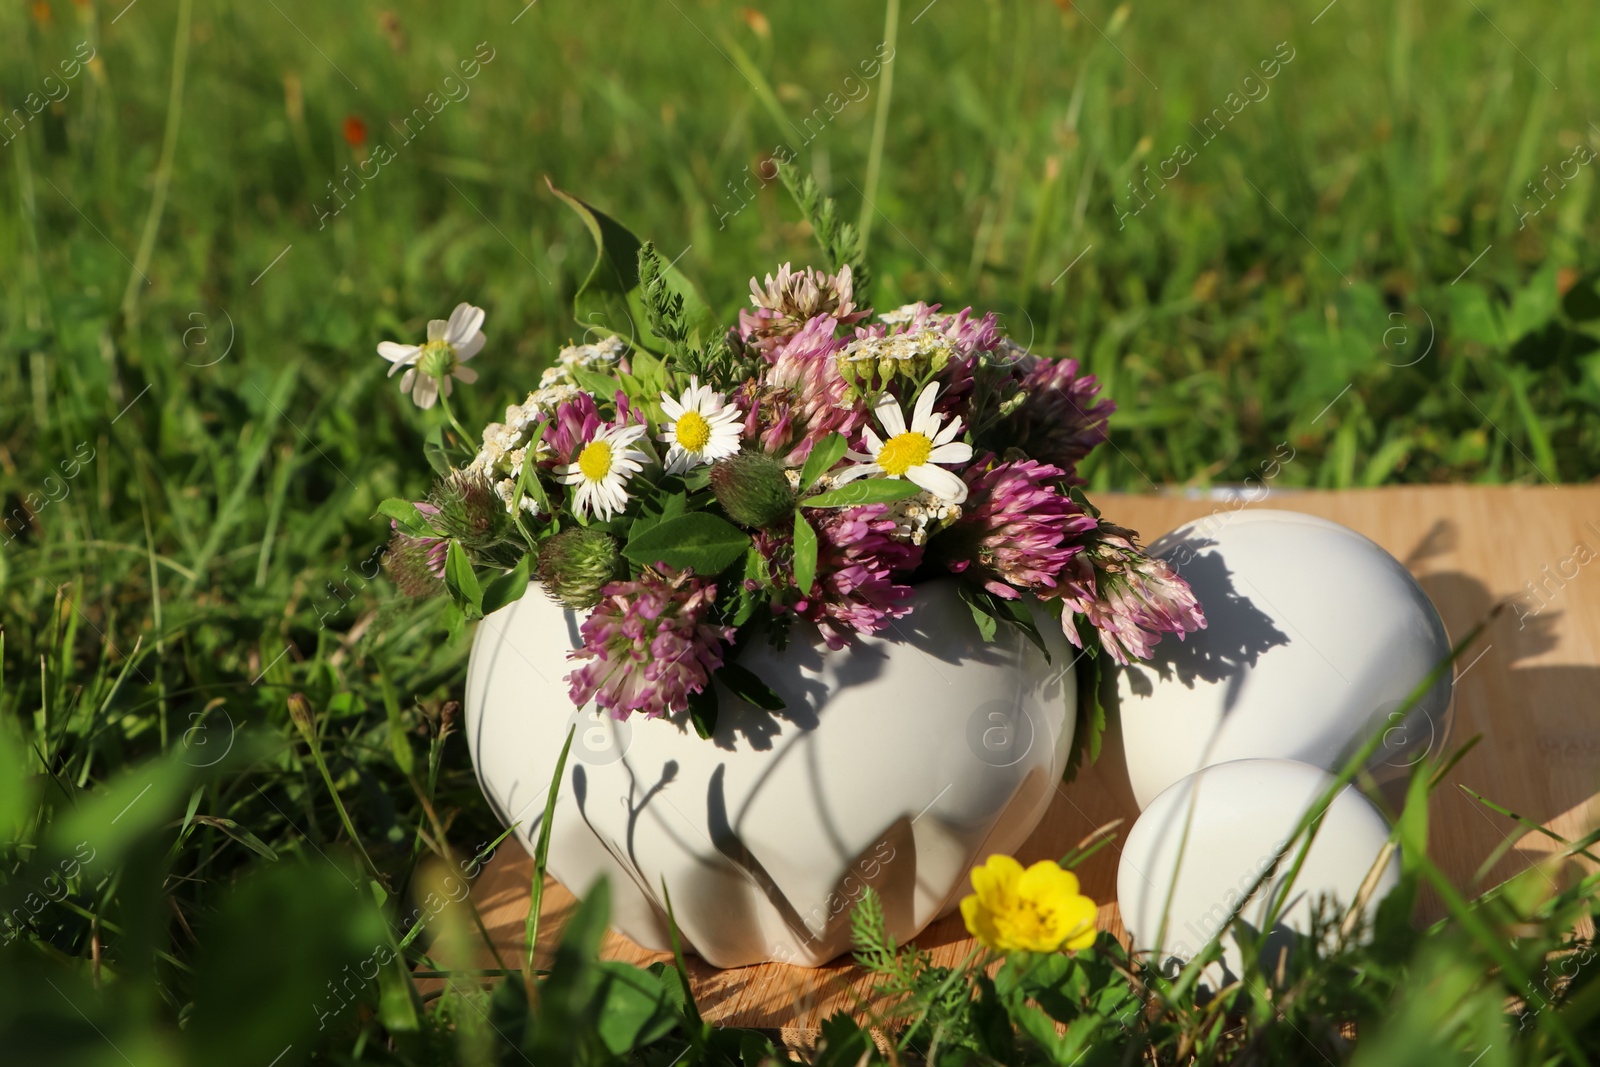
434, 549
789, 302
1061, 420
806, 398
1018, 527
857, 560
571, 427
416, 563
1131, 598
647, 646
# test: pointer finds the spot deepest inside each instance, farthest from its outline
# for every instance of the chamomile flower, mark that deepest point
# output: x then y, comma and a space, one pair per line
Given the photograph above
451, 342
704, 428
602, 469
915, 453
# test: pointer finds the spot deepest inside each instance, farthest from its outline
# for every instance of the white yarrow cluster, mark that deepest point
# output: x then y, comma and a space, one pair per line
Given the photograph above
924, 344
916, 518
600, 356
504, 447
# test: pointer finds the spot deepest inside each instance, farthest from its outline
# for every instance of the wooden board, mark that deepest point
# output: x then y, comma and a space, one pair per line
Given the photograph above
1531, 687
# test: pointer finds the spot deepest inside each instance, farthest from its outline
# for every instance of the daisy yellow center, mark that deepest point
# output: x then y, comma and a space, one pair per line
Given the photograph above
693, 431
903, 451
594, 462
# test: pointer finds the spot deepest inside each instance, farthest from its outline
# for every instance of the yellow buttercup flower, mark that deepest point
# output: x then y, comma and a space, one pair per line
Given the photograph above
1034, 910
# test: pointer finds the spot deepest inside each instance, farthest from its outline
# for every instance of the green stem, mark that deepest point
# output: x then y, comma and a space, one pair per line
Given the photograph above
163, 175
880, 125
344, 817
444, 402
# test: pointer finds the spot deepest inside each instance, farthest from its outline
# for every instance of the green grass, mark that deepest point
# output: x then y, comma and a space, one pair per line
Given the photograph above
195, 431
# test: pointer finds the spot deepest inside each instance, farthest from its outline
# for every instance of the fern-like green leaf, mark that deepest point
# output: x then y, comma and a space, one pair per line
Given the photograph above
841, 241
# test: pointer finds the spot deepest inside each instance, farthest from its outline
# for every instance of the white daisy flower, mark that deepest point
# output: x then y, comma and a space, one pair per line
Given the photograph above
901, 315
602, 355
450, 344
913, 453
705, 427
602, 469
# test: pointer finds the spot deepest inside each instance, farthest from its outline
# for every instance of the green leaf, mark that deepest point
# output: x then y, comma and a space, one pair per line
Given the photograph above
840, 241
1016, 612
980, 607
824, 454
746, 600
691, 1010
461, 581
398, 1003
508, 588
864, 491
304, 918
698, 541
454, 621
1582, 302
703, 711
399, 742
438, 454
805, 554
405, 513
1091, 712
663, 307
566, 1004
239, 834
1533, 305
1472, 316
528, 483
744, 684
602, 298
633, 1009
657, 509
541, 857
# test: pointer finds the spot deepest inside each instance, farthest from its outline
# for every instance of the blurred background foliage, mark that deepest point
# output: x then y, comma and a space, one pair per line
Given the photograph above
214, 212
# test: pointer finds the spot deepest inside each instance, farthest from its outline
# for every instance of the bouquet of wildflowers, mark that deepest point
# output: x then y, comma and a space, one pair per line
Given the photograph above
696, 489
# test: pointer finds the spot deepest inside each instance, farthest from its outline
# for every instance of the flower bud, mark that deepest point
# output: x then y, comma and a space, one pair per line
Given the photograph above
752, 488
416, 563
576, 564
300, 714
469, 510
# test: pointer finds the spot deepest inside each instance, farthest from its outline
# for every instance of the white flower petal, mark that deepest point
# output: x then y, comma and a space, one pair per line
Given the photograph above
407, 379
850, 474
397, 353
623, 436
922, 419
437, 328
673, 409
949, 432
888, 412
425, 392
939, 482
951, 452
466, 374
465, 321
470, 347
873, 442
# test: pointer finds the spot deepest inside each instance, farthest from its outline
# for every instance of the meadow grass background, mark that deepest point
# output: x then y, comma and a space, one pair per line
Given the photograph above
195, 430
